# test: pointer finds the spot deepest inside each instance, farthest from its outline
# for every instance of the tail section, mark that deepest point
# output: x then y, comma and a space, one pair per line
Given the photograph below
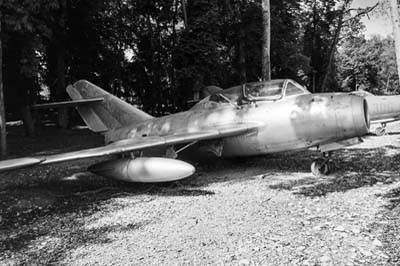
111, 113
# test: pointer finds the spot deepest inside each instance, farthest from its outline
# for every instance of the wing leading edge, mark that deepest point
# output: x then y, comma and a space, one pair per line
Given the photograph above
130, 145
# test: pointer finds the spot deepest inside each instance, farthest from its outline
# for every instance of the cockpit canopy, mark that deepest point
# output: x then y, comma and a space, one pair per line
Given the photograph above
262, 91
268, 90
272, 90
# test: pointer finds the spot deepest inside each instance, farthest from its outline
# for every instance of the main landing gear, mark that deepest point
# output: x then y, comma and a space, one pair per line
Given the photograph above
322, 166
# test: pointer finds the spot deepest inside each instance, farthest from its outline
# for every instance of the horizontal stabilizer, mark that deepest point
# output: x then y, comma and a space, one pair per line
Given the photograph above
68, 103
19, 163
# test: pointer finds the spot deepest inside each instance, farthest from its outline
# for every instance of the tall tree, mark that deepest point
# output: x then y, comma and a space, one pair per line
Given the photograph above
266, 44
394, 14
200, 53
24, 28
331, 22
55, 59
334, 43
3, 134
370, 64
184, 12
320, 20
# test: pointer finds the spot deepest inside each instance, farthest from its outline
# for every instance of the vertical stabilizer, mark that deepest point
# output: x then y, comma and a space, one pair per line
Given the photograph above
111, 113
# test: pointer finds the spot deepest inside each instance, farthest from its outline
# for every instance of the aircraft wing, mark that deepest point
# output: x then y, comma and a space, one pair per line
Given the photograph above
133, 144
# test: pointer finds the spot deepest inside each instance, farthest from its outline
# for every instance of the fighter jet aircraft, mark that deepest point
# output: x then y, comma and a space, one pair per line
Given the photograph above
250, 119
382, 110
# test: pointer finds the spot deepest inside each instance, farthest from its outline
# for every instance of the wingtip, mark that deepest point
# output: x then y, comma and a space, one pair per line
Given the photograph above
11, 164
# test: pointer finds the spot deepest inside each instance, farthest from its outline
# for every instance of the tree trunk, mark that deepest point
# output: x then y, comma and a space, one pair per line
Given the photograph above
332, 48
313, 46
242, 55
394, 10
184, 13
3, 143
266, 61
60, 57
172, 90
60, 86
28, 121
241, 42
61, 95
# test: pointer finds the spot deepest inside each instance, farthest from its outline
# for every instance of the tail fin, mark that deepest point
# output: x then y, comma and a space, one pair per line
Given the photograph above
108, 114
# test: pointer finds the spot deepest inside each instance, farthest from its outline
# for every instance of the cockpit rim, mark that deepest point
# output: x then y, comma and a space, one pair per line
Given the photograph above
235, 95
282, 94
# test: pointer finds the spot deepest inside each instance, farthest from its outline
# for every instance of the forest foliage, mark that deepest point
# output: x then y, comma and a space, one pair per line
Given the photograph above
156, 53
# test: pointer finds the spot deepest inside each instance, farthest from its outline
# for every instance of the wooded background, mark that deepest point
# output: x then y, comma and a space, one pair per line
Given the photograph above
156, 53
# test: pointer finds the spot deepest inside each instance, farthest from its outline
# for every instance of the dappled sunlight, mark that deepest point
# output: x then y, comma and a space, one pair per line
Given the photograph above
355, 168
373, 142
64, 207
76, 176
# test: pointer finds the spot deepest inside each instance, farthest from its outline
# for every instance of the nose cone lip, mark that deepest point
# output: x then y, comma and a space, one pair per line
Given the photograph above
366, 114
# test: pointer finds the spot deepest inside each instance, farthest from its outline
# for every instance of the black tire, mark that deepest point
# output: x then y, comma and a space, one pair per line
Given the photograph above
320, 168
380, 131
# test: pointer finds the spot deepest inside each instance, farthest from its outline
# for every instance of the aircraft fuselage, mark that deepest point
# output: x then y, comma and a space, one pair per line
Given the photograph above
291, 123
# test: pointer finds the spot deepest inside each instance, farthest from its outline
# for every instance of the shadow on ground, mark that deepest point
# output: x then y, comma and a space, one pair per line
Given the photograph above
49, 202
354, 168
387, 226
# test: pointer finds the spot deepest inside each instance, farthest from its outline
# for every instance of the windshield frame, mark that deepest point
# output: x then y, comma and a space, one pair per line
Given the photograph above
237, 95
302, 88
282, 85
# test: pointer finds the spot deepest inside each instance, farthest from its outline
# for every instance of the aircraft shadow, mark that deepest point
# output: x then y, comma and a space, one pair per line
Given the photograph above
56, 193
354, 168
385, 225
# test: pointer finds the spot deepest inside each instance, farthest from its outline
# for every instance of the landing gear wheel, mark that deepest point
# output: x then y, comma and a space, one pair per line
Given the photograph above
320, 167
380, 131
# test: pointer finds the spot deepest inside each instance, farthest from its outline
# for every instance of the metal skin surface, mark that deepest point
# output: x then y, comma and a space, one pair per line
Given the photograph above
145, 170
297, 122
19, 163
250, 119
382, 110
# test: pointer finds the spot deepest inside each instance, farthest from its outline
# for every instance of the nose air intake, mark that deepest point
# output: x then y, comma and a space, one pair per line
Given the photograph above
352, 115
361, 119
366, 114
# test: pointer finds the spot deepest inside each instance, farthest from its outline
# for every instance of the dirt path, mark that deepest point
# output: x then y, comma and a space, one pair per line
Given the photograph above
257, 211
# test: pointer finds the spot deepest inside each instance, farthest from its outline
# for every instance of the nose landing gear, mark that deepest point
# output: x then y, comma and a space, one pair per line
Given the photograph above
322, 166
381, 131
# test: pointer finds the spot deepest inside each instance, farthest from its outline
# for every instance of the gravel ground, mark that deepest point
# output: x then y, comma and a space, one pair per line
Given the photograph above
256, 211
